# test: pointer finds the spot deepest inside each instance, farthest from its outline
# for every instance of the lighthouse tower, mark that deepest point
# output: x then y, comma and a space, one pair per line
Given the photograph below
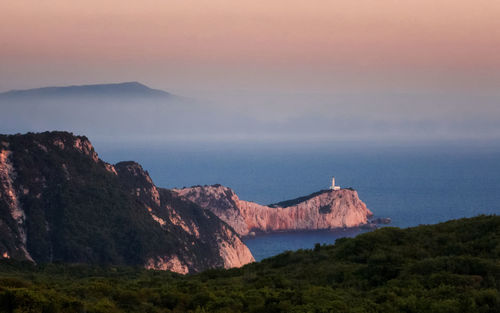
333, 187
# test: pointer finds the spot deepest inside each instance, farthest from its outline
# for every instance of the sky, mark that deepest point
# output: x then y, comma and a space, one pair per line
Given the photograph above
406, 66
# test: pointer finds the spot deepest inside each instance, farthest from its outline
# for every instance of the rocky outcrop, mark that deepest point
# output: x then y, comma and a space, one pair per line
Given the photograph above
232, 250
220, 200
13, 226
172, 263
327, 209
197, 225
60, 203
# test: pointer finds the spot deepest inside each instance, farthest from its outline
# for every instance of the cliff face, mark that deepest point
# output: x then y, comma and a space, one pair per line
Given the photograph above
323, 210
60, 202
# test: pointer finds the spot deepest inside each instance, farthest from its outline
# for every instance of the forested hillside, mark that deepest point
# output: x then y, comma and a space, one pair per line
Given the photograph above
448, 267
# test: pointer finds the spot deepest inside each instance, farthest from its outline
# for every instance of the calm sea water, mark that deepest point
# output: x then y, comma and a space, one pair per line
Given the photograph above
411, 185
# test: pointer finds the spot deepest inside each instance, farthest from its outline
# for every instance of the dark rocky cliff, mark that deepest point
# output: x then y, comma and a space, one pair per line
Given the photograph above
60, 202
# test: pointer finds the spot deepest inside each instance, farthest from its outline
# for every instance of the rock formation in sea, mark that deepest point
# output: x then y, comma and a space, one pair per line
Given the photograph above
326, 209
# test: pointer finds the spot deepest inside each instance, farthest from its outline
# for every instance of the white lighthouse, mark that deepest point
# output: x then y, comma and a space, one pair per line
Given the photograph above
333, 187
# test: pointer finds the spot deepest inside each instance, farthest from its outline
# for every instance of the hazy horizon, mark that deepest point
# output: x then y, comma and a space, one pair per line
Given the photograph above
385, 71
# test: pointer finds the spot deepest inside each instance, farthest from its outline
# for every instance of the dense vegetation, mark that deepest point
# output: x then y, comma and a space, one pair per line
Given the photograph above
292, 202
449, 267
76, 210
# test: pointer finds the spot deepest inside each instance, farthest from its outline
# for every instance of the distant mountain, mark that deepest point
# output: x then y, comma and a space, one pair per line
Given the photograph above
128, 89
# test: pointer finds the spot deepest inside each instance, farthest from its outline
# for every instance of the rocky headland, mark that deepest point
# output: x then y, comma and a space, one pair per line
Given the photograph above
326, 209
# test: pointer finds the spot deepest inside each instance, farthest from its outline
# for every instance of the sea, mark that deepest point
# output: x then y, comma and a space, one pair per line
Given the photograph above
413, 184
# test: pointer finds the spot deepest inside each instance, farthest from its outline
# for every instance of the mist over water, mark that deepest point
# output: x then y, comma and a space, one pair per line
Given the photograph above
258, 116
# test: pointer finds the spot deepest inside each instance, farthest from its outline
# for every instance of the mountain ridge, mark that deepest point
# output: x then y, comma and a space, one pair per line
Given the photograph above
128, 89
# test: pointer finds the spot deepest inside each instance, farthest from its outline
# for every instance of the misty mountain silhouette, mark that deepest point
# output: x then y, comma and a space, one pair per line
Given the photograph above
127, 89
105, 108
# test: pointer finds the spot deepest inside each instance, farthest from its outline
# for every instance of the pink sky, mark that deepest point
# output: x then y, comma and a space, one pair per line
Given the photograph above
314, 45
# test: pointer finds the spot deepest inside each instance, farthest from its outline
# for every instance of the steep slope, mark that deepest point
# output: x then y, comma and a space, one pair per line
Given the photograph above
322, 210
60, 202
